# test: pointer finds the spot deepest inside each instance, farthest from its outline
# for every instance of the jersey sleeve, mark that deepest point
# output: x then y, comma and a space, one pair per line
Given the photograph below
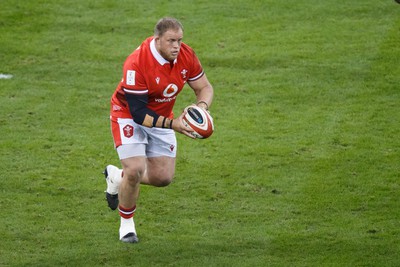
197, 70
132, 78
136, 94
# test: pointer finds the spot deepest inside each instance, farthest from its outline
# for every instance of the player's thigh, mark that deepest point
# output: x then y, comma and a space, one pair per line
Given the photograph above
161, 153
161, 168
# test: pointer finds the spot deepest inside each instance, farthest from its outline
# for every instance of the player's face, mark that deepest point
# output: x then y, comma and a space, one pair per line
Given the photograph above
169, 44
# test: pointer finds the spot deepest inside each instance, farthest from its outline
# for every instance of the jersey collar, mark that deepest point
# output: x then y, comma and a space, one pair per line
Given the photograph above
157, 55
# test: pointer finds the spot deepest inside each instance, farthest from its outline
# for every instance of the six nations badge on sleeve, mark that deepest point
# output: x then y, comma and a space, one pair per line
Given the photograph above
130, 77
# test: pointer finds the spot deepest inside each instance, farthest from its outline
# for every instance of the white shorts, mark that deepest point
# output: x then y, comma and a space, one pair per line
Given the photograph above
132, 139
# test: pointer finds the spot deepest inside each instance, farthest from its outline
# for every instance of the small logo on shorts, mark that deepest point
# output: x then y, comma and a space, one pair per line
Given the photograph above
172, 147
128, 131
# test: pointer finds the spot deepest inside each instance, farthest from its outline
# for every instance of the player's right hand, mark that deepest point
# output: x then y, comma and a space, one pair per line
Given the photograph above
179, 126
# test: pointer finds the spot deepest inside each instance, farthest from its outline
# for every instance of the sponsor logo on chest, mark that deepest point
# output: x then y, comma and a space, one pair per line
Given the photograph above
171, 90
169, 94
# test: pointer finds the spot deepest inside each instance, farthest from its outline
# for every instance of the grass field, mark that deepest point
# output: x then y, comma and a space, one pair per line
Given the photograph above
302, 170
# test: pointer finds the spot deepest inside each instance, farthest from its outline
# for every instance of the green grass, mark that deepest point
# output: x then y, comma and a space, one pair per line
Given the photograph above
302, 170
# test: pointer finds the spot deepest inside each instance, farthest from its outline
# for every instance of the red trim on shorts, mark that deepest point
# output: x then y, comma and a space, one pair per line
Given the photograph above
115, 132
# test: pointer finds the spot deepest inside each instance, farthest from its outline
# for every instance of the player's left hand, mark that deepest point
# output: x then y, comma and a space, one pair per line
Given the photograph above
202, 105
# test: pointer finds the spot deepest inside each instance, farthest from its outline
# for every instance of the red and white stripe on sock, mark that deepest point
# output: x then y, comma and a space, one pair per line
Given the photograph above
126, 213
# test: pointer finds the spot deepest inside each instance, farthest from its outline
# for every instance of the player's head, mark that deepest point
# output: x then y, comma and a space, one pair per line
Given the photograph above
168, 35
165, 24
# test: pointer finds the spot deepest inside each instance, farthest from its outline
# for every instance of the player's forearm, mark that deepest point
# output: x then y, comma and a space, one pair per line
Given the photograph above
164, 122
141, 114
205, 97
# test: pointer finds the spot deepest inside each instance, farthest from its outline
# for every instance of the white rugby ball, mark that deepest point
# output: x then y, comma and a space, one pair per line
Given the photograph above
199, 120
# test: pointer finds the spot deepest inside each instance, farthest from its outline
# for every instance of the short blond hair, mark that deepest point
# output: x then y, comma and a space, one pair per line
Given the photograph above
165, 24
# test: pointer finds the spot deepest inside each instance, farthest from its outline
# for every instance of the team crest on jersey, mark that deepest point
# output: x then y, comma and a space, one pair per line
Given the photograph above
183, 72
158, 80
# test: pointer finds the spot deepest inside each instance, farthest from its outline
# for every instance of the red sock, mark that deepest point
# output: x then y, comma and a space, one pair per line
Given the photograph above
126, 213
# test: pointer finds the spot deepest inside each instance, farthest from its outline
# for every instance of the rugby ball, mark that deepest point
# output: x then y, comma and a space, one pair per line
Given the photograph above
199, 120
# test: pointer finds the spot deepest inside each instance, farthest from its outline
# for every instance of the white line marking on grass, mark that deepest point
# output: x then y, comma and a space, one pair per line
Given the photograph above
5, 76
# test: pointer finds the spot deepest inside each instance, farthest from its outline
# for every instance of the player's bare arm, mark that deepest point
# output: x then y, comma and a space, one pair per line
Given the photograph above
203, 90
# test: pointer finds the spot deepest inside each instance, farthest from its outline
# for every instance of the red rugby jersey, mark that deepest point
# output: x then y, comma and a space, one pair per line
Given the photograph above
145, 71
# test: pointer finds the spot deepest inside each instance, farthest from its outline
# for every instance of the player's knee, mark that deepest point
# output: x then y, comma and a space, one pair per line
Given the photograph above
133, 174
161, 181
165, 182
